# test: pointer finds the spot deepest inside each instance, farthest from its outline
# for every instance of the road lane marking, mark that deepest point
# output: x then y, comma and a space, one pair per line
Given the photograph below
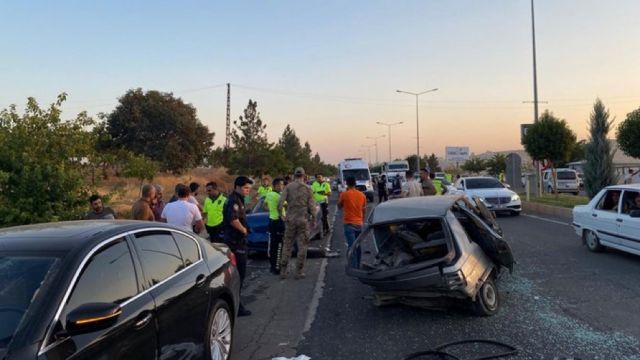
546, 219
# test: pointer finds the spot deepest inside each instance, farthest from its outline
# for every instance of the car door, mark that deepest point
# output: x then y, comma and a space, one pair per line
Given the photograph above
604, 217
628, 227
109, 276
177, 278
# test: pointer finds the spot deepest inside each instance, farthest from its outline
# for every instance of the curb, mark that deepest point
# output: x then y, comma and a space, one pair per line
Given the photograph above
549, 210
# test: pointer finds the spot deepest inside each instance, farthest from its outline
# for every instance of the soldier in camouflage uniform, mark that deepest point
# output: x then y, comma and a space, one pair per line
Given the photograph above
301, 212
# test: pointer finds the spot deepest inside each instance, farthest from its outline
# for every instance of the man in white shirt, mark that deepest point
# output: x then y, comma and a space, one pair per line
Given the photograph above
182, 213
412, 188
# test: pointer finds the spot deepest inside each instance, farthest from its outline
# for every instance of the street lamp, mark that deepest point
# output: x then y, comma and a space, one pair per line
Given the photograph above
375, 143
389, 128
417, 122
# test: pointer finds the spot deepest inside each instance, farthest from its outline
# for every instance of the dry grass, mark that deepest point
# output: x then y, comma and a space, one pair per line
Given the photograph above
124, 192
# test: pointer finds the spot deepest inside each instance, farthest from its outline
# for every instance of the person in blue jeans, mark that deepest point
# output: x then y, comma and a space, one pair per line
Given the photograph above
354, 205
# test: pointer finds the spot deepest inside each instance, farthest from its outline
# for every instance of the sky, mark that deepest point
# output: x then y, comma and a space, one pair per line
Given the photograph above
331, 69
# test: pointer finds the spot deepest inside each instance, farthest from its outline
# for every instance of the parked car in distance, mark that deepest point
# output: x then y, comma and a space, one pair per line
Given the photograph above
496, 196
258, 221
115, 290
425, 251
610, 219
568, 181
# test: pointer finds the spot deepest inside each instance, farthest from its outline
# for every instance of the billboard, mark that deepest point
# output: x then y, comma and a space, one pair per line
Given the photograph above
456, 153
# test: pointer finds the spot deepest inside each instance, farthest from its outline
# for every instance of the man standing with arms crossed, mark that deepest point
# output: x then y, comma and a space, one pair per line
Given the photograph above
301, 208
276, 225
321, 191
354, 205
141, 209
236, 228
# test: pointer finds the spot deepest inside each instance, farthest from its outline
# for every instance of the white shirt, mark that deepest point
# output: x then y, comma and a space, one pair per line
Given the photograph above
181, 213
412, 188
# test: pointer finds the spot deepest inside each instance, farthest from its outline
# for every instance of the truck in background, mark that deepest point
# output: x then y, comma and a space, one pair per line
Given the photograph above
393, 168
359, 169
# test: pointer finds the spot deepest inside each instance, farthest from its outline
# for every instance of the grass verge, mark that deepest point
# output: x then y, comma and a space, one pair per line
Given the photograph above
562, 200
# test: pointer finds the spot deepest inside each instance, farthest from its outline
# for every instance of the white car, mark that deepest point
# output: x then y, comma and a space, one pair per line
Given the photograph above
611, 219
495, 195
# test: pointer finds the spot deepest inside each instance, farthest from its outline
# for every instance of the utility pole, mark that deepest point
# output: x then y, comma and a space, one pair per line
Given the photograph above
375, 143
535, 93
389, 129
417, 123
227, 140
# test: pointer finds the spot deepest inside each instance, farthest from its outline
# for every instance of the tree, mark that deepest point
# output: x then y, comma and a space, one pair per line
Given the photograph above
161, 127
598, 170
141, 168
550, 139
474, 165
432, 162
411, 159
290, 145
578, 152
497, 164
628, 134
251, 148
42, 164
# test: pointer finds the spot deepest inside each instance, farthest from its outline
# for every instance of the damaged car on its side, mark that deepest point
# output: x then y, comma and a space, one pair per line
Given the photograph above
423, 250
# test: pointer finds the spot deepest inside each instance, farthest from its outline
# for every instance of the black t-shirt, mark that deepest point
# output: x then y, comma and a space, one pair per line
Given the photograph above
382, 185
234, 209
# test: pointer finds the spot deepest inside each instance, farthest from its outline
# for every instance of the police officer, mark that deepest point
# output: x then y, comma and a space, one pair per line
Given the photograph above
301, 209
236, 228
321, 191
427, 185
264, 188
213, 209
276, 225
437, 183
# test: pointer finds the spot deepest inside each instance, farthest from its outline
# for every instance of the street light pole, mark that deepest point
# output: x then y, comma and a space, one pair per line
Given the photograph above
417, 122
389, 128
369, 150
375, 143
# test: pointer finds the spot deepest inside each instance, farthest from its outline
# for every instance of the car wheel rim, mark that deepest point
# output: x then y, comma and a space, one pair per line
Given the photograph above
220, 335
592, 241
490, 296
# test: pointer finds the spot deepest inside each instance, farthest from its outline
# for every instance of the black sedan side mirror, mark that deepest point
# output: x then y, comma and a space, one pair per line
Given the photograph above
92, 317
635, 214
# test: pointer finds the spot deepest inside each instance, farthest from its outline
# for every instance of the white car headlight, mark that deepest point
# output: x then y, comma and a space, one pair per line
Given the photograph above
515, 197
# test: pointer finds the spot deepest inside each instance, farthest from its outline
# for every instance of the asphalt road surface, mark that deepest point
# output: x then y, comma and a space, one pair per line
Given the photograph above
562, 301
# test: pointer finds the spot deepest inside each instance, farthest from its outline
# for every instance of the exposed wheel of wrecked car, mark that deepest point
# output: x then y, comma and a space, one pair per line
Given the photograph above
592, 241
487, 301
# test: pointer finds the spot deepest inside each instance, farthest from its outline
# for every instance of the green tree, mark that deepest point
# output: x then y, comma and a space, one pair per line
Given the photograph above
411, 159
432, 162
42, 164
251, 149
578, 152
141, 168
497, 164
550, 139
291, 146
474, 165
161, 127
628, 134
598, 170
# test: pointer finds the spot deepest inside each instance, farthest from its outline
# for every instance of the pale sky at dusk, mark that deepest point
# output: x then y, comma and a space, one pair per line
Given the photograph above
331, 68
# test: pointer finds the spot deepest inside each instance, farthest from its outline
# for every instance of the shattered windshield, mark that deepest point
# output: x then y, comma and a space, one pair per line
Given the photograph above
20, 279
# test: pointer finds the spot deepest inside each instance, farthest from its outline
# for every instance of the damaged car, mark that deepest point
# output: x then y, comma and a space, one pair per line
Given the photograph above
425, 251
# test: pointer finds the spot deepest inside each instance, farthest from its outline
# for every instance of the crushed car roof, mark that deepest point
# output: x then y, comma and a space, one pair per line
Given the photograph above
412, 208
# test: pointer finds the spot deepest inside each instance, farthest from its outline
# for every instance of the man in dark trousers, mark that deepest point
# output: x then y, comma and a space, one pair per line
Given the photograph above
383, 191
276, 225
236, 228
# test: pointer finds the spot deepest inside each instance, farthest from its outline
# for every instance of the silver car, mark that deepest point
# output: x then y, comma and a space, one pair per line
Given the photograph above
423, 250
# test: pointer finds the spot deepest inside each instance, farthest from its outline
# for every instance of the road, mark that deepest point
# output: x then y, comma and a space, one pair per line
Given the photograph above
561, 302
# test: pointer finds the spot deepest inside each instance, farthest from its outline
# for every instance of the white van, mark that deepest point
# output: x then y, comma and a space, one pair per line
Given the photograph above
568, 181
359, 169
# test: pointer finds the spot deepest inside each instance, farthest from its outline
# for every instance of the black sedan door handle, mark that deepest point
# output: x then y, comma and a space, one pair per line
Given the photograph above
594, 215
619, 220
200, 280
143, 320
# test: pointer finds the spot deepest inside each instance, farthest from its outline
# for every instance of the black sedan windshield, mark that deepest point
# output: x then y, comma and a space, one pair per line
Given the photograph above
20, 279
484, 184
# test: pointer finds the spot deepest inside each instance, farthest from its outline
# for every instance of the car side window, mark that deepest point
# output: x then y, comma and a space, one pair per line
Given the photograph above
609, 201
108, 277
159, 256
188, 248
630, 201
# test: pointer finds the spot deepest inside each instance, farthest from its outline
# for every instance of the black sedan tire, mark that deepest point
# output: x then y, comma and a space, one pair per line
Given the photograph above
219, 338
487, 301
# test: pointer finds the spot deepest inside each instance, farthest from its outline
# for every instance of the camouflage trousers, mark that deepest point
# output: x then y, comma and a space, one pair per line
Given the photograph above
295, 230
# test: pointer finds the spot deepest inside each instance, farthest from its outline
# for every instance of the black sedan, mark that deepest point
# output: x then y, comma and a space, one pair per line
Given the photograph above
115, 290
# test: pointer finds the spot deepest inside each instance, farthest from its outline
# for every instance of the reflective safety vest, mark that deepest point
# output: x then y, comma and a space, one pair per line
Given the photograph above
438, 185
214, 210
263, 191
272, 199
321, 191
